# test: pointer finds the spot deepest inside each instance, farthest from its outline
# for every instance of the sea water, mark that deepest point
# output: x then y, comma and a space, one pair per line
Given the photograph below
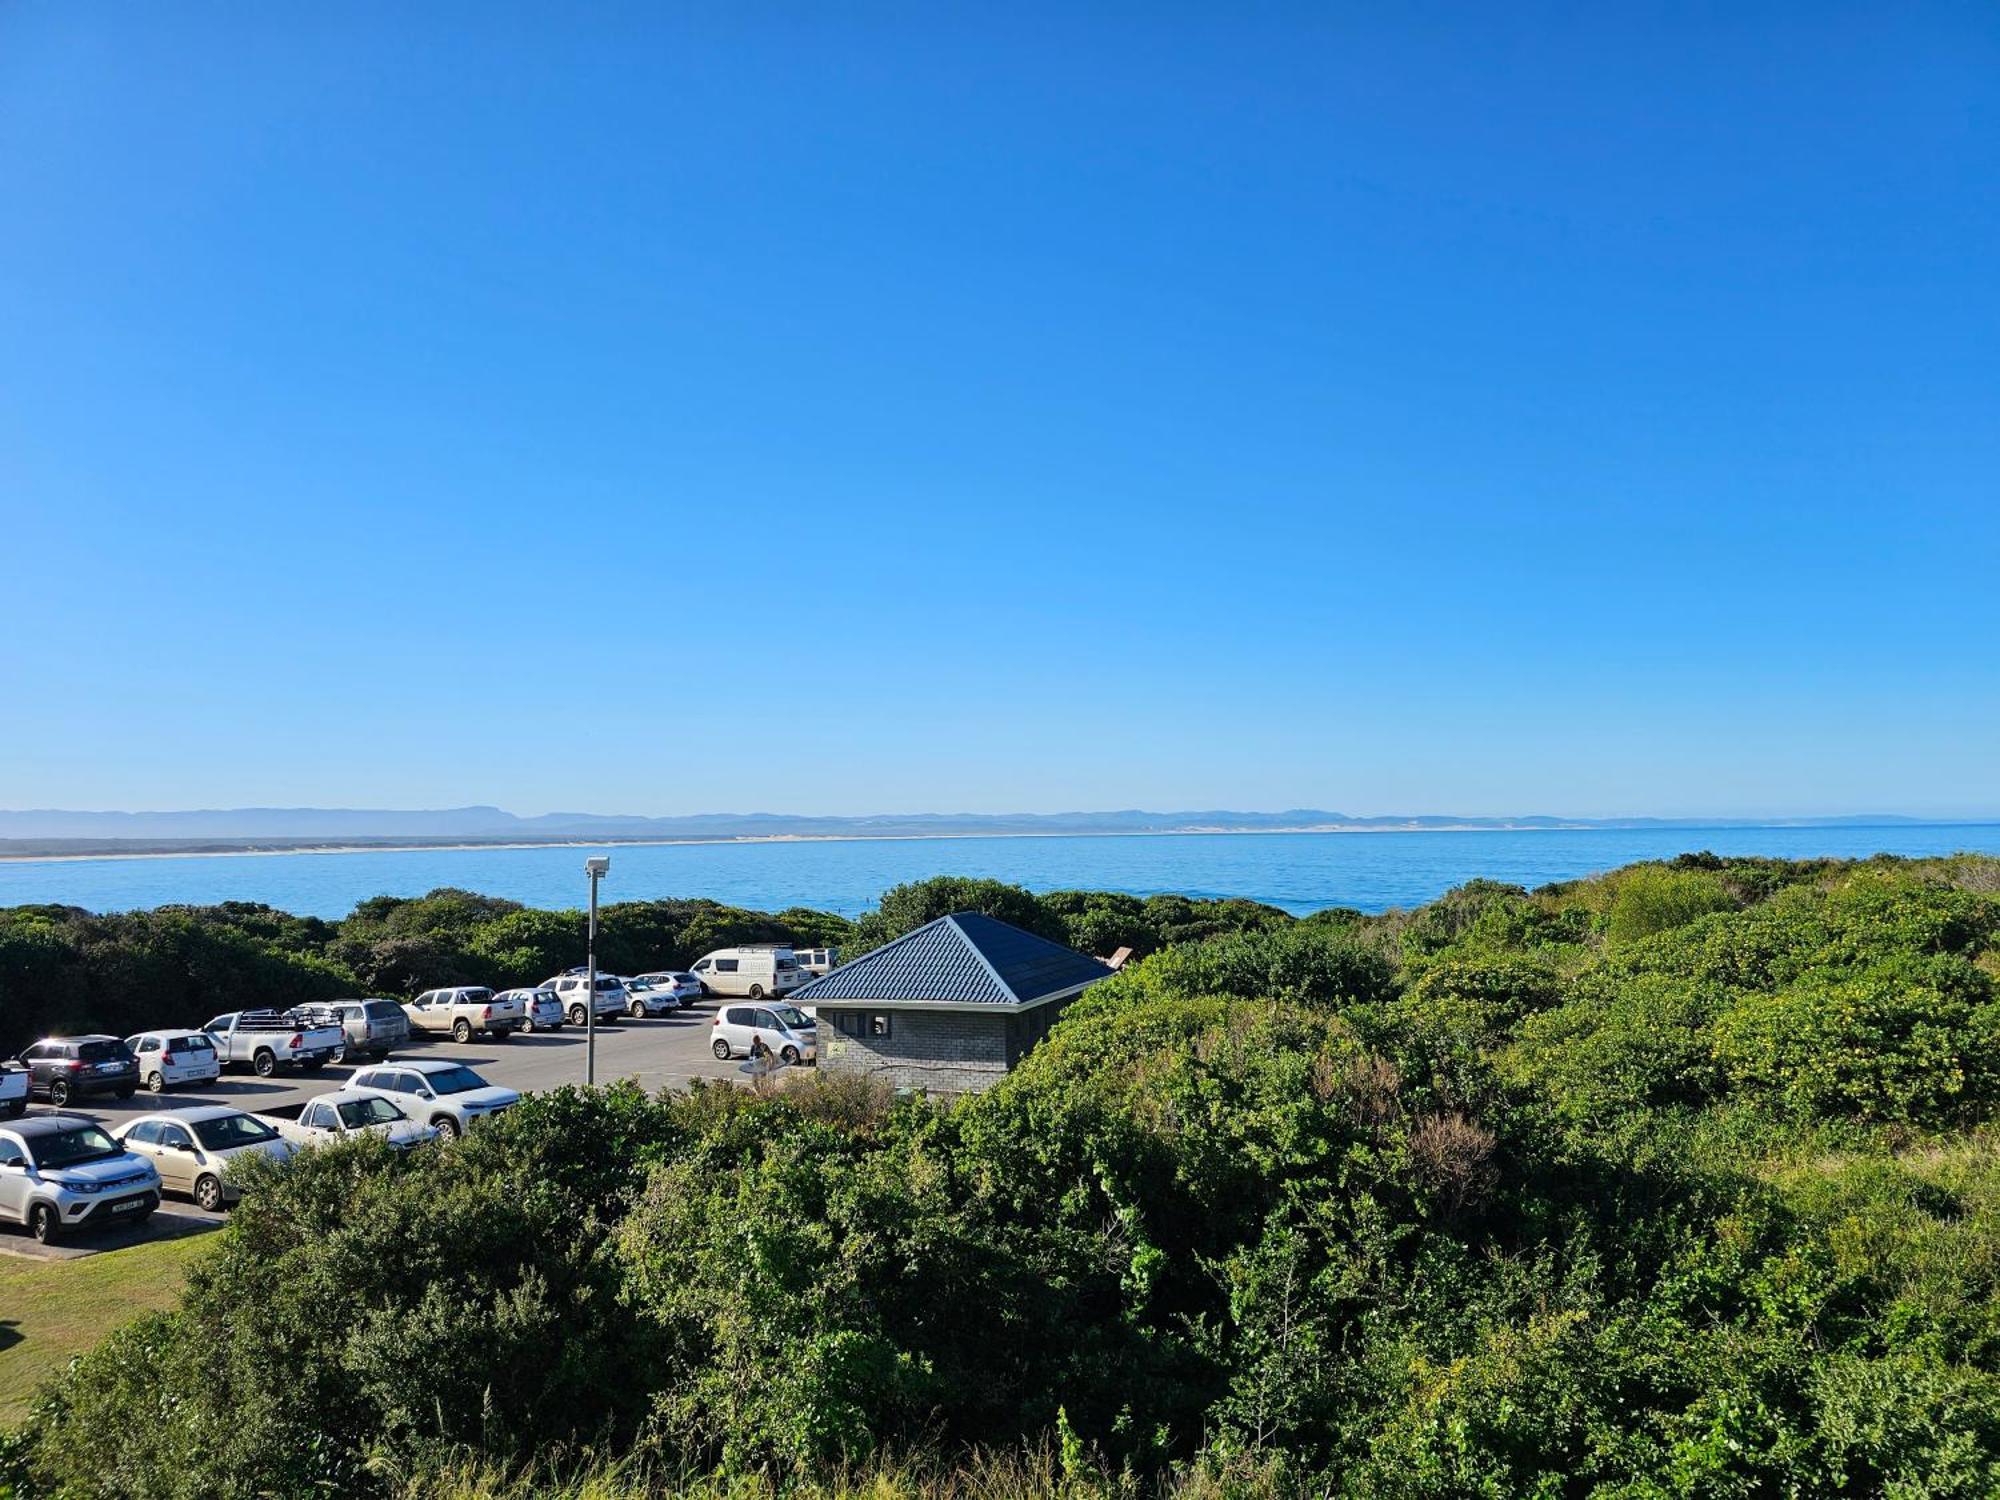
1301, 872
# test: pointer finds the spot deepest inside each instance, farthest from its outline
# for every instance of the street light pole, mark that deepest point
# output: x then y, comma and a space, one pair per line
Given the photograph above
596, 868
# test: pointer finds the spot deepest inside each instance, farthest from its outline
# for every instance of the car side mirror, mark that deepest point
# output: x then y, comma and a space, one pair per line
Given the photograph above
425, 1094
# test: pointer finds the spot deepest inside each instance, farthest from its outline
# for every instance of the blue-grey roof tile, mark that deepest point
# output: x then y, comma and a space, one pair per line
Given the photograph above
964, 958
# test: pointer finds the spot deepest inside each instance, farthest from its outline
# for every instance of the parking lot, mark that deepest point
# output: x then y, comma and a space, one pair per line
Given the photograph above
664, 1052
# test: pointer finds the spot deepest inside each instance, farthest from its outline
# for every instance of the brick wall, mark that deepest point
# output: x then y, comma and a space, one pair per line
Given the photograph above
949, 1052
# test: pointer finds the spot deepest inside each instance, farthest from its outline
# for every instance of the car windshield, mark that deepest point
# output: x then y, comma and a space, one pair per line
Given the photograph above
71, 1148
454, 1080
791, 1015
230, 1131
355, 1113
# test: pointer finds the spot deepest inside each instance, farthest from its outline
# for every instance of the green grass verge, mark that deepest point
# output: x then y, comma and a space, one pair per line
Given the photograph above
52, 1310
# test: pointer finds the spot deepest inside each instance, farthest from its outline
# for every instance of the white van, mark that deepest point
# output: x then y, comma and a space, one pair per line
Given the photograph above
818, 961
752, 972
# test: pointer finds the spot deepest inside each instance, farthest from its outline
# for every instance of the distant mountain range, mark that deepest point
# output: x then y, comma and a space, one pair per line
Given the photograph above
292, 827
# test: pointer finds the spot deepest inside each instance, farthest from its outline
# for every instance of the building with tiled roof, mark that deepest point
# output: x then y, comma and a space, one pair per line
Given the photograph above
949, 1007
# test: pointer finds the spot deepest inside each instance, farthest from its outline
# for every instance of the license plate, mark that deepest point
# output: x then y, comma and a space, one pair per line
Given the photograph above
128, 1206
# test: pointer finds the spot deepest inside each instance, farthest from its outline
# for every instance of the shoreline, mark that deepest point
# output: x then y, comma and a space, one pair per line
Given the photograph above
253, 852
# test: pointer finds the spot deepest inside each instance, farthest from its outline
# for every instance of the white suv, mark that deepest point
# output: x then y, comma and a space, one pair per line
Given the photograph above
571, 989
446, 1095
789, 1032
62, 1172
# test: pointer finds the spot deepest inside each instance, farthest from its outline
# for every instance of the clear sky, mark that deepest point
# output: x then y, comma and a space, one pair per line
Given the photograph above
1481, 409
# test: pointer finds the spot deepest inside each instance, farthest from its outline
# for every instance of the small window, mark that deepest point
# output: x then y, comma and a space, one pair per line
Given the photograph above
174, 1138
145, 1133
878, 1025
11, 1155
317, 1118
726, 966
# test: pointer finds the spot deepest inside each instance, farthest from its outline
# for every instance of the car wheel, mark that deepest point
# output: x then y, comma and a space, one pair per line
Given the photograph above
461, 1032
504, 1034
721, 1049
529, 1026
576, 1015
58, 1092
156, 1083
790, 1056
636, 1010
43, 1223
208, 1192
265, 1063
756, 992
447, 1127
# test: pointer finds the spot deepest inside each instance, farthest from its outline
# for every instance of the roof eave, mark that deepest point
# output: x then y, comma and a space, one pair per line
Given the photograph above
980, 1007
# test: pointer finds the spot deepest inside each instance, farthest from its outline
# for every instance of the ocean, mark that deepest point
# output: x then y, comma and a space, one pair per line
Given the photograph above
1301, 872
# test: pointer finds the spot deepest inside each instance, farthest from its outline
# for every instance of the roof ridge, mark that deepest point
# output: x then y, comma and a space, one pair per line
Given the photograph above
980, 953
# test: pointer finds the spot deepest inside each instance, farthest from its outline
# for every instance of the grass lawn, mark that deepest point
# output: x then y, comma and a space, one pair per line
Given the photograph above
50, 1310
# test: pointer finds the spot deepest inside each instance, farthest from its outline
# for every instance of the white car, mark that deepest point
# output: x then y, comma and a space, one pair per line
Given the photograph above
572, 987
645, 998
13, 1091
192, 1149
171, 1058
683, 986
791, 1035
447, 1094
351, 1111
545, 1012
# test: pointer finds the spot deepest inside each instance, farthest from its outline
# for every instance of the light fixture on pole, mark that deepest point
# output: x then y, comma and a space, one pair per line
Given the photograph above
596, 867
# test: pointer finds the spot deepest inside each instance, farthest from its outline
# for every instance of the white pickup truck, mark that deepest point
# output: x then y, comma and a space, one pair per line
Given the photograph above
269, 1040
466, 1011
350, 1112
13, 1091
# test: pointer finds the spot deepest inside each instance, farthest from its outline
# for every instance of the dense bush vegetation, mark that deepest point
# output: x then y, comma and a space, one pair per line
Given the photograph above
1682, 1181
63, 969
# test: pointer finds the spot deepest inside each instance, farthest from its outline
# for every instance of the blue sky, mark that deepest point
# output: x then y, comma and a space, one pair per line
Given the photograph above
843, 409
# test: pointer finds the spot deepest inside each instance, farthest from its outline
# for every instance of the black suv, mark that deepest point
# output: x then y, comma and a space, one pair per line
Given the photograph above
62, 1068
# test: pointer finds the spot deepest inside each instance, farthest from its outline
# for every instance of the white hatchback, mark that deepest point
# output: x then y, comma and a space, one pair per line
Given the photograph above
170, 1058
790, 1033
545, 1012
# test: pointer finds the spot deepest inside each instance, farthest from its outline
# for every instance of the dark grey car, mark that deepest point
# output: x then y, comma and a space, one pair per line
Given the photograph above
62, 1068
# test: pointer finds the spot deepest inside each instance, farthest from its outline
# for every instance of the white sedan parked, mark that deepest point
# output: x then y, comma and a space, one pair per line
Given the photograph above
684, 987
170, 1058
193, 1148
447, 1095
